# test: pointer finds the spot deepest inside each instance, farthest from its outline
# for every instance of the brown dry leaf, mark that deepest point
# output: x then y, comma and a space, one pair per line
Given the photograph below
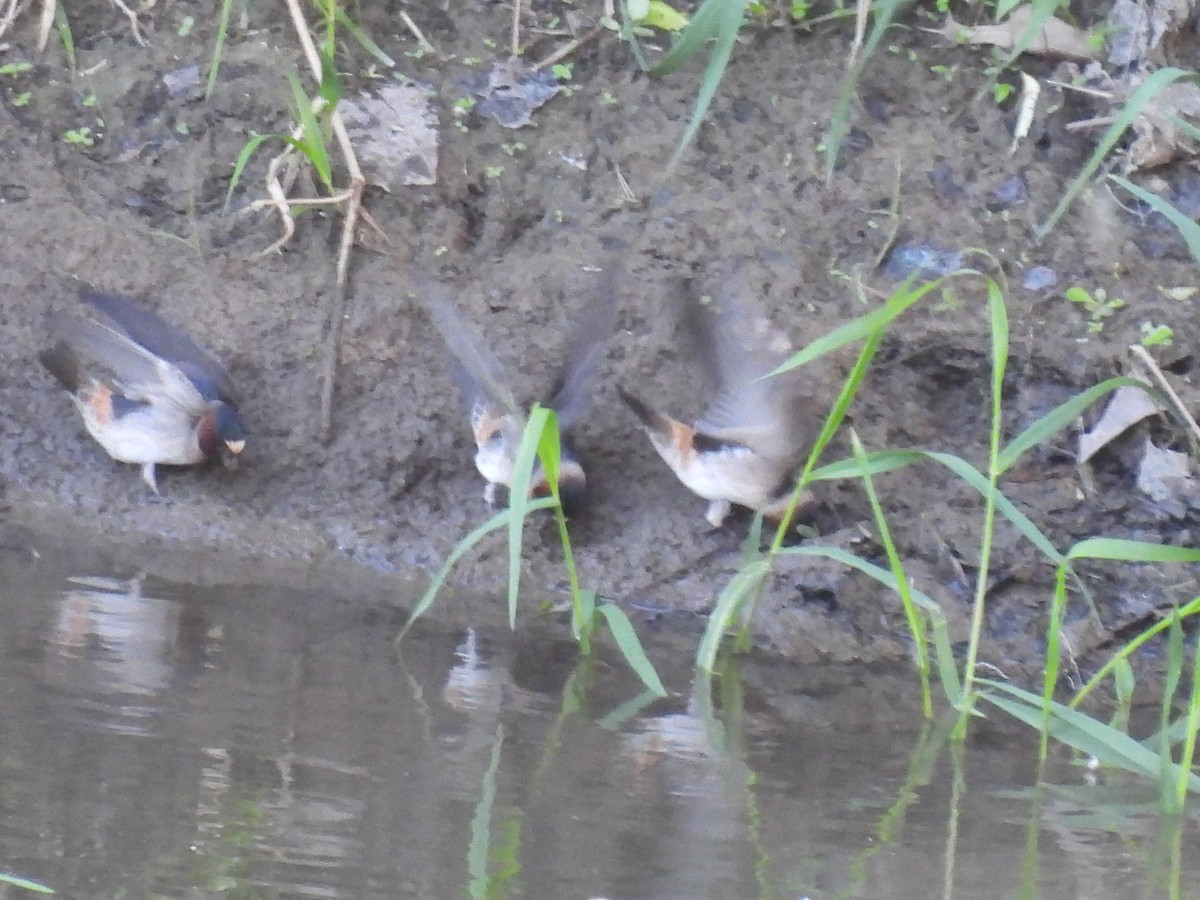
1159, 140
1054, 38
1128, 406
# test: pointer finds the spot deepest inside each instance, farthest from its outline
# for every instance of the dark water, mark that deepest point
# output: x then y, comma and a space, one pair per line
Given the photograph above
166, 741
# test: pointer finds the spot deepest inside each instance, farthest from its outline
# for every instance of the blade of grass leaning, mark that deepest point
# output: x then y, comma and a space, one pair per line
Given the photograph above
1192, 717
747, 579
858, 329
1191, 608
495, 523
1081, 732
729, 15
361, 36
630, 646
1174, 673
916, 624
243, 157
1066, 414
214, 64
1186, 224
25, 883
833, 422
519, 503
839, 122
63, 26
998, 320
1145, 92
943, 649
312, 140
549, 452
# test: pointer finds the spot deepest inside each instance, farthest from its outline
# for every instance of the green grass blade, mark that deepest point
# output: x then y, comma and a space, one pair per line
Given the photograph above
247, 151
460, 550
740, 587
731, 13
1166, 779
976, 479
1062, 416
1192, 717
1082, 732
916, 625
998, 320
877, 463
631, 648
218, 46
1130, 647
857, 329
25, 883
1186, 225
704, 26
464, 546
312, 141
943, 650
519, 503
839, 122
1121, 550
63, 26
361, 36
1145, 92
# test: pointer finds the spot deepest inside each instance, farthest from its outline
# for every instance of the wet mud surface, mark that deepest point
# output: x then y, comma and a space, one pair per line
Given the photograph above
141, 211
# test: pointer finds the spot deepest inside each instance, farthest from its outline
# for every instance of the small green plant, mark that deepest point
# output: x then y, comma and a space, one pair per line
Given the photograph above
1098, 305
1157, 335
493, 172
15, 68
81, 136
22, 99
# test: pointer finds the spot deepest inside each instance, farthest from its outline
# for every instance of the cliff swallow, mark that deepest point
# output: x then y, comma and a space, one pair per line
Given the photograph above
497, 421
147, 393
748, 445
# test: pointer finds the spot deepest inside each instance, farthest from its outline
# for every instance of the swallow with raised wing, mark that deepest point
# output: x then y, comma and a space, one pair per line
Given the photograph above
497, 420
748, 445
148, 394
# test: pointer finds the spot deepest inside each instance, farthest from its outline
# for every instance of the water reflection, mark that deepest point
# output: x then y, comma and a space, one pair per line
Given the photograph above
162, 740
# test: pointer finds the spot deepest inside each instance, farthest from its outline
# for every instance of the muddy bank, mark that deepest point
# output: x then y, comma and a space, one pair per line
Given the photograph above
141, 211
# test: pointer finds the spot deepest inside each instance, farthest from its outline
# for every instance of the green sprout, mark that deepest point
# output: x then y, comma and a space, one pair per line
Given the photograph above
15, 68
22, 99
81, 136
562, 71
1156, 335
1098, 305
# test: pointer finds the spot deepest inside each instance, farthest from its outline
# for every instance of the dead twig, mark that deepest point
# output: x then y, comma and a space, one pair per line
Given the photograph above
1144, 355
352, 197
419, 35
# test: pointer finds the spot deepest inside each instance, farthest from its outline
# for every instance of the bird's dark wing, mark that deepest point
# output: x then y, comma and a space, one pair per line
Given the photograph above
165, 341
479, 374
585, 348
141, 375
739, 346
